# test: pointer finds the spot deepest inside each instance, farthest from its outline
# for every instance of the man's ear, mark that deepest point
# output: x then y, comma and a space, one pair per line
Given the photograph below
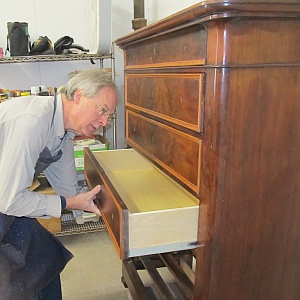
77, 96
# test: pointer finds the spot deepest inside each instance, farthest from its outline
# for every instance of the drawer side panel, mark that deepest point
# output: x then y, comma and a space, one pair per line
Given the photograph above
177, 231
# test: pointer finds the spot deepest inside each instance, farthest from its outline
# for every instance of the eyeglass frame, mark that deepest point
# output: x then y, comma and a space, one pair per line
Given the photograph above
104, 111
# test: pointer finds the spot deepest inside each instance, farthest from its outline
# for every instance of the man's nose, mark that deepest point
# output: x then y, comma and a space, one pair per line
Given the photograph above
103, 120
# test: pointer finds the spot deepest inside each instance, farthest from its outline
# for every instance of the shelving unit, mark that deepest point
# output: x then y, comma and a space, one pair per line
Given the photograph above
49, 58
71, 57
70, 227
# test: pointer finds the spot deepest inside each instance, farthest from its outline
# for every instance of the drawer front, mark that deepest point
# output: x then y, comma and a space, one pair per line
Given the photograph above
112, 212
184, 47
177, 98
178, 153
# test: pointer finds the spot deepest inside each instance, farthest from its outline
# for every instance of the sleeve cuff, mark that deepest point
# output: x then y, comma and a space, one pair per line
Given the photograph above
63, 202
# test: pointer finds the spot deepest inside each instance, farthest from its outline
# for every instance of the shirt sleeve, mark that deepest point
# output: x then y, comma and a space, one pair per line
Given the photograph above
24, 137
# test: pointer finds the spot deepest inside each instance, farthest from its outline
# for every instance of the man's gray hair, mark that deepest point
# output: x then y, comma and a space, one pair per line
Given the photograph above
90, 82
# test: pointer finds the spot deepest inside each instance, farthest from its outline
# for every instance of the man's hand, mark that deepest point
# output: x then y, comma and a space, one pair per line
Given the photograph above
84, 201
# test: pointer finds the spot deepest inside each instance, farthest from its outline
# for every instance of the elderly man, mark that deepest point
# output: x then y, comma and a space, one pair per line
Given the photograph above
37, 135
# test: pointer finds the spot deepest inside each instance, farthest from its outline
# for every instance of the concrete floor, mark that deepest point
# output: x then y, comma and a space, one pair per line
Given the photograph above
95, 271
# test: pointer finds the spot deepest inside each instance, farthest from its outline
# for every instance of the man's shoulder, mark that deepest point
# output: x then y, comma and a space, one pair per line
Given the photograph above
28, 110
40, 104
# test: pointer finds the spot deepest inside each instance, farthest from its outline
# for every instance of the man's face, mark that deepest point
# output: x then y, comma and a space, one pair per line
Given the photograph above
95, 112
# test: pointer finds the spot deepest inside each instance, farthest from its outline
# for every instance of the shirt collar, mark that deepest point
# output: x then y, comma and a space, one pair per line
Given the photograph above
58, 123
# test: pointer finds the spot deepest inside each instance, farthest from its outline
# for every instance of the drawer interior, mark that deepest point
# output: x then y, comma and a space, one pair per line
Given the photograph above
140, 184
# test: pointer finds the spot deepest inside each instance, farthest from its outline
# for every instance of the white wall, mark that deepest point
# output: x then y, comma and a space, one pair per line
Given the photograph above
158, 9
57, 18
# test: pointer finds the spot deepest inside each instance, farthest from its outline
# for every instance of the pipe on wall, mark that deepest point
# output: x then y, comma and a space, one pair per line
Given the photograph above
139, 20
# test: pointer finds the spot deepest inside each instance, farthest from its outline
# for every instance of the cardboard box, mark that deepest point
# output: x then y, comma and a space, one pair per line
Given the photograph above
95, 143
51, 224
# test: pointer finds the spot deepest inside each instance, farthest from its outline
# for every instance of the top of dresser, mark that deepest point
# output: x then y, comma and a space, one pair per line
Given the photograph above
215, 9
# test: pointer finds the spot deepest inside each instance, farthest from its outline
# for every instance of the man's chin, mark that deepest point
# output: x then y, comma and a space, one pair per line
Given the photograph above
88, 133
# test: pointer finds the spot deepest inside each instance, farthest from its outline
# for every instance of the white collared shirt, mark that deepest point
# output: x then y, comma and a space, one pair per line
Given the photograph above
25, 130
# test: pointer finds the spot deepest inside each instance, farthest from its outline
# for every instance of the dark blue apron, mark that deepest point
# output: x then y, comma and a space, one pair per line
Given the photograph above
30, 256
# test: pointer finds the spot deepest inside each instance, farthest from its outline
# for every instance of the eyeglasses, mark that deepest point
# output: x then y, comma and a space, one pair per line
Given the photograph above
104, 111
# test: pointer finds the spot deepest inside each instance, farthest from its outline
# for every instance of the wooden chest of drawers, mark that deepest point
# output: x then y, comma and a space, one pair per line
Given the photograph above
212, 99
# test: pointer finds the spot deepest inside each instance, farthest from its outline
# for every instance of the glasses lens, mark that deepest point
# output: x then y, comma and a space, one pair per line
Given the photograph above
110, 118
103, 111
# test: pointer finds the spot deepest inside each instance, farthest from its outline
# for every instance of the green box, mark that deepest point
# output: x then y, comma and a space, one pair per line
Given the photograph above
95, 144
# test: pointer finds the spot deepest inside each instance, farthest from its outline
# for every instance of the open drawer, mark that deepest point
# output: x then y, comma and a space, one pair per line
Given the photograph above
145, 211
